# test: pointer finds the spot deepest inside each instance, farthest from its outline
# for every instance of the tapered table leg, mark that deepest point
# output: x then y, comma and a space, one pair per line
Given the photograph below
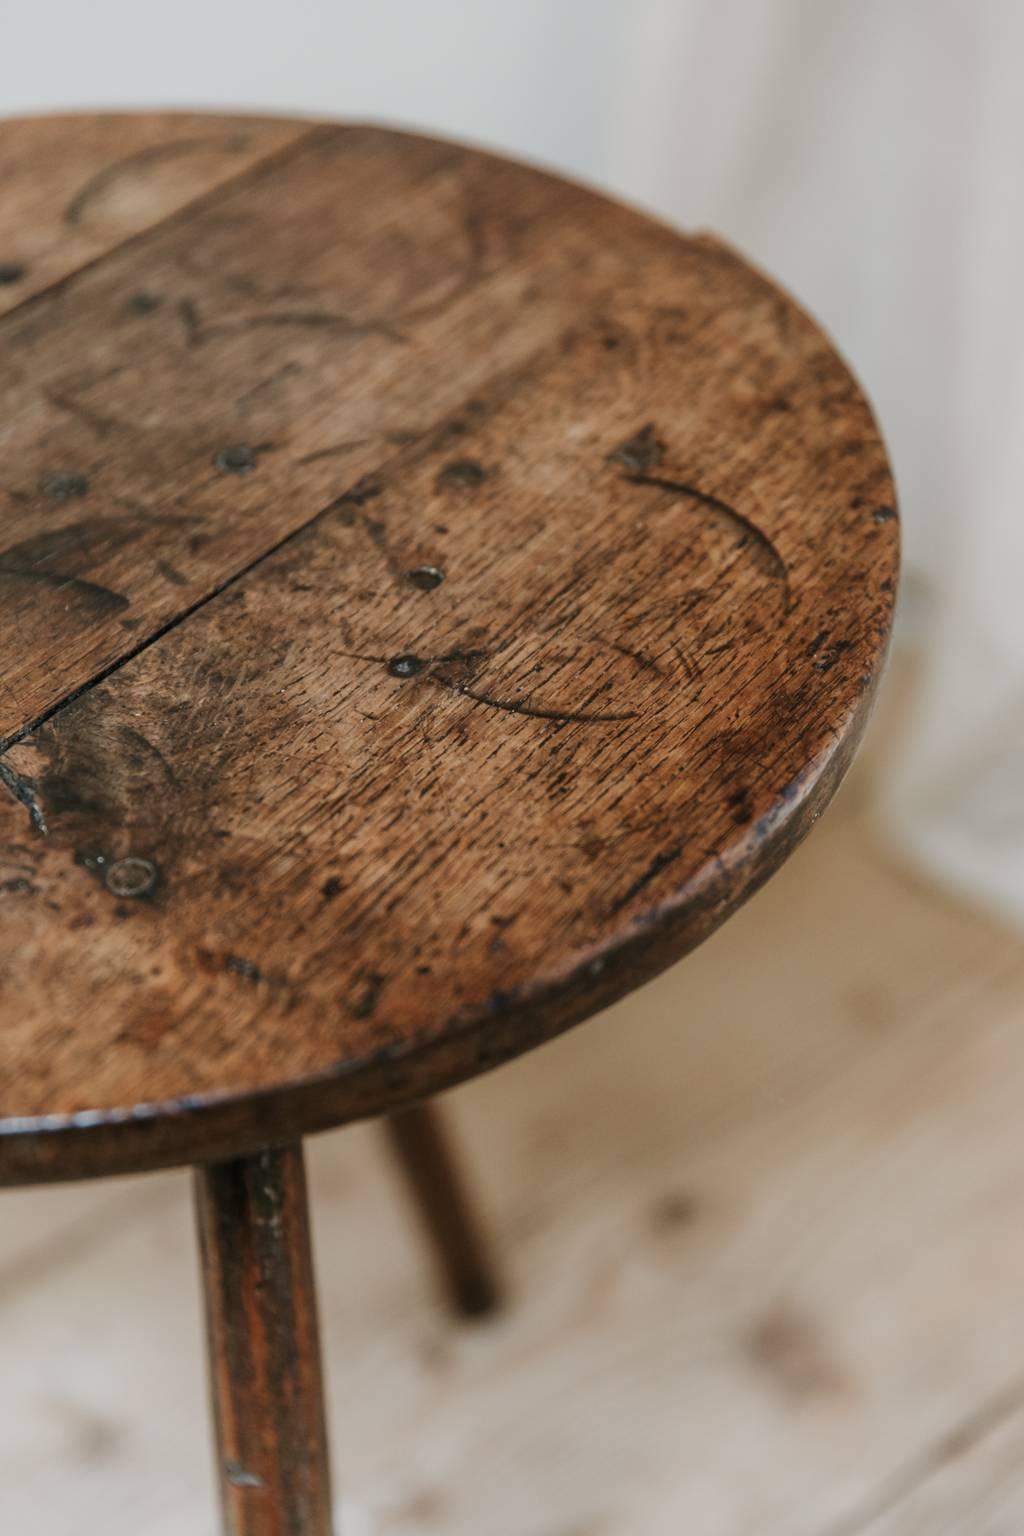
264, 1347
429, 1165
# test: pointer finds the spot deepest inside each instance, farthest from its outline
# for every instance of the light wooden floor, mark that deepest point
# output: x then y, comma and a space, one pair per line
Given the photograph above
763, 1227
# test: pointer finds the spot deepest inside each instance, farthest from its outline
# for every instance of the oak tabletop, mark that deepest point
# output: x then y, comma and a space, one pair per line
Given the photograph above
436, 597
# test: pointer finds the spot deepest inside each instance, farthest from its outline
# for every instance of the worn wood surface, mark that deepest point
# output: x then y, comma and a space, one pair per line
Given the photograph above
438, 597
74, 188
264, 1350
422, 1145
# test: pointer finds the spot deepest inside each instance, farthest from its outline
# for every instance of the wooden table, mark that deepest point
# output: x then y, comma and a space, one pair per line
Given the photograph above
437, 597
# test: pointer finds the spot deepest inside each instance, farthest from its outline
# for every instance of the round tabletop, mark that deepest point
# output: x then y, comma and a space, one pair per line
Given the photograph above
436, 597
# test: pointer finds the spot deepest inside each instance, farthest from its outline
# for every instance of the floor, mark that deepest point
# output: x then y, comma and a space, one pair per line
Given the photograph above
761, 1228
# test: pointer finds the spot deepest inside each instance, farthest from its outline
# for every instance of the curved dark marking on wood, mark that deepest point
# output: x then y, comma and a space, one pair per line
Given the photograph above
174, 149
515, 707
750, 530
101, 425
471, 660
336, 450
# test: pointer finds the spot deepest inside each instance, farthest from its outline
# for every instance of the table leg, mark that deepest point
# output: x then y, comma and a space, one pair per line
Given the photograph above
264, 1350
426, 1158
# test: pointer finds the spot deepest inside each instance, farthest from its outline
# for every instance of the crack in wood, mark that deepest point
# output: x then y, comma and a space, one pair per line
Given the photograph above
24, 792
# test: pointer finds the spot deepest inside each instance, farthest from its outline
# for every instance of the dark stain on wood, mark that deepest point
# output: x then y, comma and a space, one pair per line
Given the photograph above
64, 485
99, 598
789, 1347
674, 1211
641, 453
463, 472
145, 302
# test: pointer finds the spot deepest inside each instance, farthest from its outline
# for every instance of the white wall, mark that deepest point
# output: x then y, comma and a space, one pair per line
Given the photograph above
530, 75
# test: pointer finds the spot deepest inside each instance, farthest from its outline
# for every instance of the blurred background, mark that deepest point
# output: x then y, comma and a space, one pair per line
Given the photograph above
765, 1264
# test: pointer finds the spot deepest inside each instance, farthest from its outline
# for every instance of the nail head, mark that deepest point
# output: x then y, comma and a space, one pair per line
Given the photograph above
405, 666
425, 577
64, 486
130, 877
237, 459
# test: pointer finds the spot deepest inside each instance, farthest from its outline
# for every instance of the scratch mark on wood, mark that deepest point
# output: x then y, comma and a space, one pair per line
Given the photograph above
363, 1004
101, 425
658, 863
191, 324
644, 662
171, 573
24, 792
336, 450
517, 707
773, 560
238, 1477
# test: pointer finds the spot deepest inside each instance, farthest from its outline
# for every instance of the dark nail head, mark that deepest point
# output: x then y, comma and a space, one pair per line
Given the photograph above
64, 486
239, 459
405, 666
426, 577
11, 272
144, 303
130, 877
463, 472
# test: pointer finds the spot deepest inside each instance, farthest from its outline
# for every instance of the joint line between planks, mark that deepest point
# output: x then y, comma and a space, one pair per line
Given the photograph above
493, 392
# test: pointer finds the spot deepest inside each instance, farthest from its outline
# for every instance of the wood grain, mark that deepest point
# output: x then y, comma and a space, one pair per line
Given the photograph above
264, 1349
497, 636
